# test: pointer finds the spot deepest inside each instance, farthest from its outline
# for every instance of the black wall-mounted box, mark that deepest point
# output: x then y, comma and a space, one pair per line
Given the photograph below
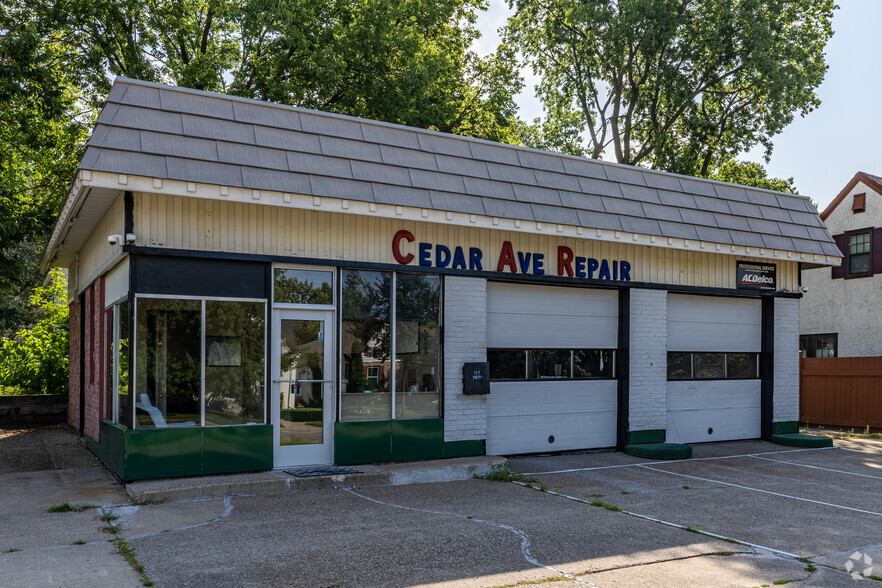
476, 378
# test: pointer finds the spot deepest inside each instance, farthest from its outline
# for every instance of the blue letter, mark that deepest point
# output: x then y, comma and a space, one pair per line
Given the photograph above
475, 259
615, 275
625, 271
442, 256
458, 259
425, 251
603, 274
592, 267
538, 259
524, 259
580, 267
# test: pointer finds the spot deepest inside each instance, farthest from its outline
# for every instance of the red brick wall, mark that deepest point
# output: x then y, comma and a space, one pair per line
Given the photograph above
73, 405
95, 351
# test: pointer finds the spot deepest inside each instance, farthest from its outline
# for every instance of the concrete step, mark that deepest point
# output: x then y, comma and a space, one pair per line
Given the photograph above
442, 470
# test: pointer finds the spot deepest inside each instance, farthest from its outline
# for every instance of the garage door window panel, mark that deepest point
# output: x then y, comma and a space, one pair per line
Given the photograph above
689, 365
551, 364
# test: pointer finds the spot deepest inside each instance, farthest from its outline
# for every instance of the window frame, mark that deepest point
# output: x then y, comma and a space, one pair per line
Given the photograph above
811, 344
393, 347
869, 253
725, 358
133, 376
299, 306
111, 357
528, 351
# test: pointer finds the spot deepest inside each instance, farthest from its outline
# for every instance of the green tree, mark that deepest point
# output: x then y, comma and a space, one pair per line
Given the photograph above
748, 173
679, 85
34, 360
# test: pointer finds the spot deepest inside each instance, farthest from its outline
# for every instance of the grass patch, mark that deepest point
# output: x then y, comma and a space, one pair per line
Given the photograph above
68, 507
811, 569
503, 473
872, 577
78, 542
108, 517
111, 529
604, 505
779, 582
128, 554
12, 550
685, 487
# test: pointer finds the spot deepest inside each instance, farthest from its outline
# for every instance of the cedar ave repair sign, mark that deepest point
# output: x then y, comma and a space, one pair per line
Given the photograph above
755, 276
508, 260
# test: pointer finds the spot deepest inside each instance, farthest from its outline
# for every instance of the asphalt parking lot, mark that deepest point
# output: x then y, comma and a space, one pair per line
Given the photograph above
737, 514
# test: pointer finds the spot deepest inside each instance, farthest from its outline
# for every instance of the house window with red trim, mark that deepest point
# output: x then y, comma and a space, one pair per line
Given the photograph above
858, 254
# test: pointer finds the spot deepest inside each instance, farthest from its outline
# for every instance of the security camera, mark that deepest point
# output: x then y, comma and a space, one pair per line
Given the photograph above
804, 289
130, 238
114, 239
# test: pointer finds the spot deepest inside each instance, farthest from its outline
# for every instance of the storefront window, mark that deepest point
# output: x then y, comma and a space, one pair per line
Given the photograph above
366, 345
417, 346
168, 349
173, 354
117, 400
300, 286
234, 362
370, 378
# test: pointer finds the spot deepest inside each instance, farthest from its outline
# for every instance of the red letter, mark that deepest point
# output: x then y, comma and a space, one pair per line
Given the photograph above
396, 243
507, 258
564, 260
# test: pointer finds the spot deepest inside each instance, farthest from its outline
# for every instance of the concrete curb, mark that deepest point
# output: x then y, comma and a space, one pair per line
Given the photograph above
447, 470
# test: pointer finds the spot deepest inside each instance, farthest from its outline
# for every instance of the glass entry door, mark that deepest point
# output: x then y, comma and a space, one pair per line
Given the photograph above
303, 387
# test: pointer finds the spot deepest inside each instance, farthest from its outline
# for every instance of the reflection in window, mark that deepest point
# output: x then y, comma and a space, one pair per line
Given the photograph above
507, 364
366, 345
117, 400
417, 345
592, 363
741, 366
549, 363
688, 365
709, 366
300, 286
859, 253
234, 362
172, 355
543, 364
169, 372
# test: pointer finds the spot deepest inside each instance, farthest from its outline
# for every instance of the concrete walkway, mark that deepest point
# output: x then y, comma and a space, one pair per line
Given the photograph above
739, 514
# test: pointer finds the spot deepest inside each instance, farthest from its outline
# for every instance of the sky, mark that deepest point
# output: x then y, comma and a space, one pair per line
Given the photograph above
821, 151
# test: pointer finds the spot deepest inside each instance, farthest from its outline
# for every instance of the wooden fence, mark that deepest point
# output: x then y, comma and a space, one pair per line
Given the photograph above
841, 391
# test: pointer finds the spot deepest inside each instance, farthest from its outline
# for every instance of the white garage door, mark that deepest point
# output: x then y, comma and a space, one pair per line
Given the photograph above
548, 410
713, 387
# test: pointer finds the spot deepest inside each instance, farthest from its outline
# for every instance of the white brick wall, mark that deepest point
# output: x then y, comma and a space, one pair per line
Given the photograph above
648, 360
786, 378
465, 339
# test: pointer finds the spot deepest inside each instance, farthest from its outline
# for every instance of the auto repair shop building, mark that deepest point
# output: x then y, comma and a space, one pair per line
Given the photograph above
256, 286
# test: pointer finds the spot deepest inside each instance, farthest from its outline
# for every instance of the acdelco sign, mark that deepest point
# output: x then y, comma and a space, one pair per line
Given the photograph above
755, 276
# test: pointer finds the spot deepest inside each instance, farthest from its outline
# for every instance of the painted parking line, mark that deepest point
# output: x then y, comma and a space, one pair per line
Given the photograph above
830, 504
670, 524
805, 465
631, 465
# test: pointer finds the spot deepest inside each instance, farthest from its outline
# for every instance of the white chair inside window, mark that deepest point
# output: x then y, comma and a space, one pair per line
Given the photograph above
156, 415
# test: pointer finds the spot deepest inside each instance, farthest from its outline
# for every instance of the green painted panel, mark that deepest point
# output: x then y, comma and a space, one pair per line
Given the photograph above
163, 453
417, 439
659, 450
800, 440
246, 448
650, 436
464, 448
362, 442
786, 427
111, 449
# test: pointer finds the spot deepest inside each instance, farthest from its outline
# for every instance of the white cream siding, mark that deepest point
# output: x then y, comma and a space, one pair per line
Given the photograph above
97, 255
175, 222
847, 307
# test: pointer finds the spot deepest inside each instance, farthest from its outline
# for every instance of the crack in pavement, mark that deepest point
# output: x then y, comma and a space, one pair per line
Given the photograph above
525, 539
